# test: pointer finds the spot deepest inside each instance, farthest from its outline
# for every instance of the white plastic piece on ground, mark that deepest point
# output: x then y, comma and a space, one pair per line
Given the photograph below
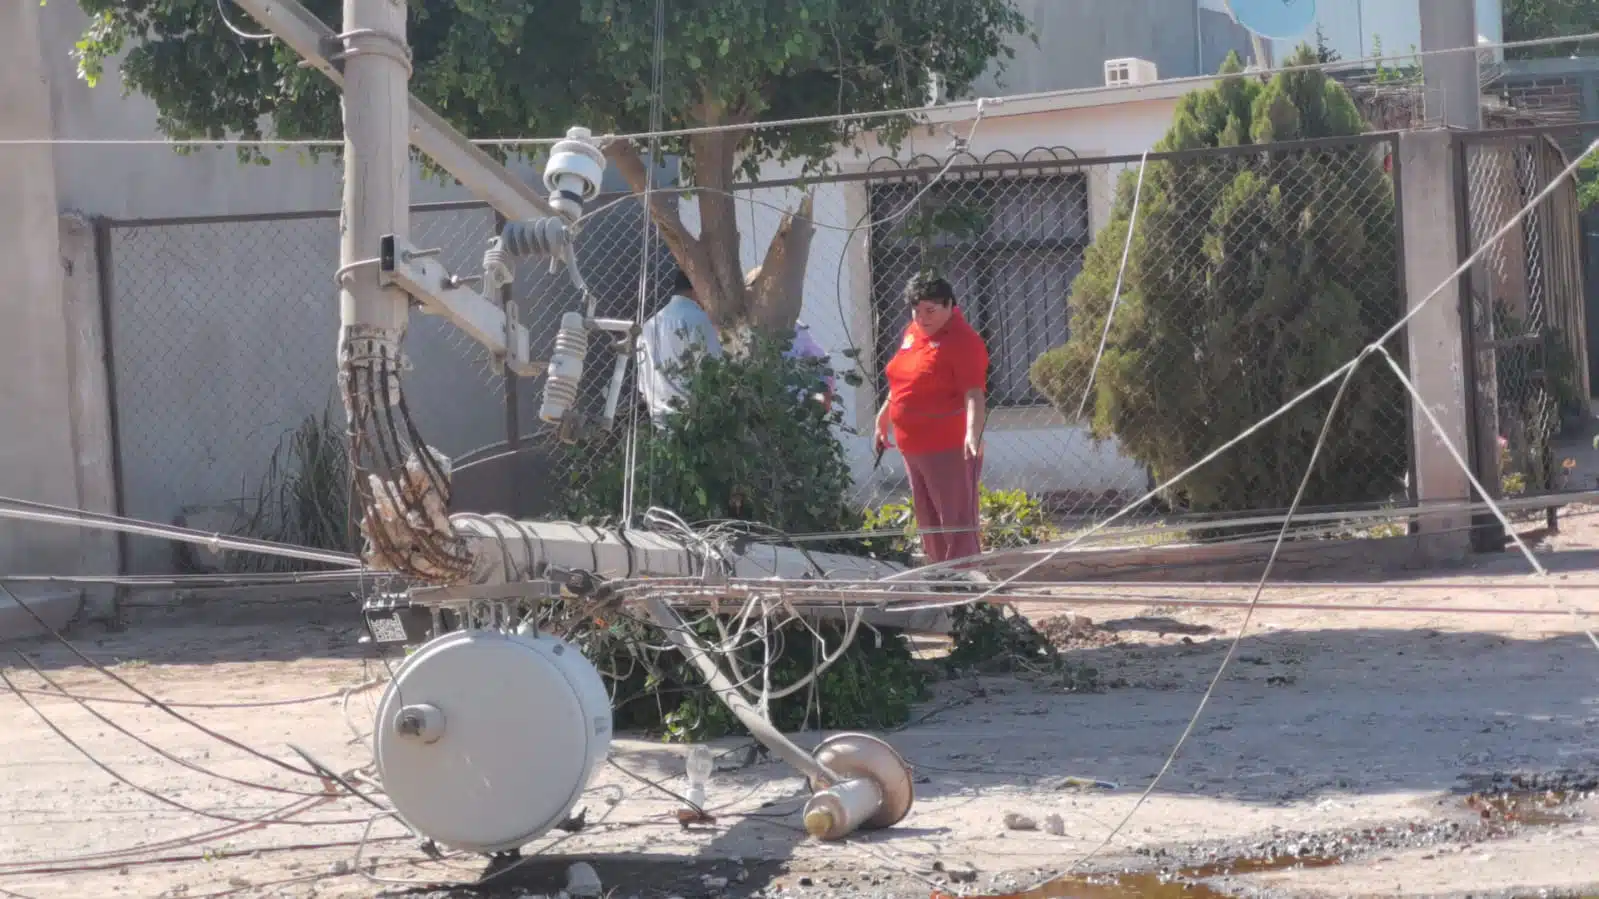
485, 741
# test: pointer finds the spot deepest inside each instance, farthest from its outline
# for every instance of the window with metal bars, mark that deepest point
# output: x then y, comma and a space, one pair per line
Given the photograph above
1010, 246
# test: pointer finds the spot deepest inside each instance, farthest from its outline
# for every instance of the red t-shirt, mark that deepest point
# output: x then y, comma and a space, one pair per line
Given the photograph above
928, 379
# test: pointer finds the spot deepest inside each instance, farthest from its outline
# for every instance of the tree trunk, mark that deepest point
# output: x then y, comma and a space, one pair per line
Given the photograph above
770, 303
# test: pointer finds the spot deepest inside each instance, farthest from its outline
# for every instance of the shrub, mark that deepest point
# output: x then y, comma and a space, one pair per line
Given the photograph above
1007, 519
874, 684
303, 498
1250, 277
748, 443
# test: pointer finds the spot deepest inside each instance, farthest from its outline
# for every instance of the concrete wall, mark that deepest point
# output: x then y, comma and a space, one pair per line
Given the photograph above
1075, 39
37, 454
1027, 448
221, 334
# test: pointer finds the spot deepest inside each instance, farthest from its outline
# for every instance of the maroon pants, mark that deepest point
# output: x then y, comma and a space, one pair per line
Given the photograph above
944, 495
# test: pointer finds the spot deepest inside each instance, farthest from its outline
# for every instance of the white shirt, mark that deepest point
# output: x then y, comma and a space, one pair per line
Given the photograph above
668, 339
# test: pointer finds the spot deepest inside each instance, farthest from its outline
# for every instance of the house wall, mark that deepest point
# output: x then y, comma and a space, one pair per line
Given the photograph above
1181, 37
1030, 449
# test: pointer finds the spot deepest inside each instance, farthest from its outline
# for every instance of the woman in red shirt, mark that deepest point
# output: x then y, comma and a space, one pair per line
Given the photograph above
935, 412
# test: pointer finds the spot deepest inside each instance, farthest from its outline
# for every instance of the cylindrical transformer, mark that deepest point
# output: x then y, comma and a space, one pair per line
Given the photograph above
485, 741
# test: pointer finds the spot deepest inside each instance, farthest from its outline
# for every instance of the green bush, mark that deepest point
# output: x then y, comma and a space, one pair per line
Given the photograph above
1007, 519
1251, 276
748, 444
874, 684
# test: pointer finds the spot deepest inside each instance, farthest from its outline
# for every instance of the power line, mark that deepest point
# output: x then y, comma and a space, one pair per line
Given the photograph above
329, 143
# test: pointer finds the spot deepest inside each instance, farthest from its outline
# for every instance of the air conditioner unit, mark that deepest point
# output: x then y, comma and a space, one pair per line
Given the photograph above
1129, 70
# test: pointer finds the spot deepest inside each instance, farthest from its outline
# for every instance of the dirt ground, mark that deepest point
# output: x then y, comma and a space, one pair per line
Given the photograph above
1412, 750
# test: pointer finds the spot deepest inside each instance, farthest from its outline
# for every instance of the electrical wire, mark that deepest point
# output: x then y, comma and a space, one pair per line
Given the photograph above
140, 788
176, 760
71, 647
647, 240
190, 581
1169, 524
1344, 374
27, 510
1243, 626
112, 857
1116, 294
210, 855
222, 13
1365, 62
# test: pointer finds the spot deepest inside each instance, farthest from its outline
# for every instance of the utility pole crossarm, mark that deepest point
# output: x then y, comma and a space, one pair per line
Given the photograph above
320, 46
440, 293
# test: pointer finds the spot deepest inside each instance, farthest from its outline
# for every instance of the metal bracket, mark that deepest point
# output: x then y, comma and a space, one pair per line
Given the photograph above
423, 277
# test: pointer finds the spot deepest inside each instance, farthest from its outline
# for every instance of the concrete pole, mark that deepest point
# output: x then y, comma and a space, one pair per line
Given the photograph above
1435, 337
1453, 98
377, 187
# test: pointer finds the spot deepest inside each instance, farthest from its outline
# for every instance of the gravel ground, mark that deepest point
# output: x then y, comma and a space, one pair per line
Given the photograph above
1418, 752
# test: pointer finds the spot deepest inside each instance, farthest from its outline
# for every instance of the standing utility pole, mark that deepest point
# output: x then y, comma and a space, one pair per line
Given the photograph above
1453, 98
377, 185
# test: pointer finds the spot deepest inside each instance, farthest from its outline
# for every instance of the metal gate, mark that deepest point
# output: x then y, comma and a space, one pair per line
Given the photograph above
1527, 328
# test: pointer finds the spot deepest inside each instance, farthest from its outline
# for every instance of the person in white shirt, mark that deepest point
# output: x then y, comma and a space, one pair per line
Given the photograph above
669, 341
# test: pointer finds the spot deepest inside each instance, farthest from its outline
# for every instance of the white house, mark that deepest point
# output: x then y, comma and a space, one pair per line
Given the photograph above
1016, 284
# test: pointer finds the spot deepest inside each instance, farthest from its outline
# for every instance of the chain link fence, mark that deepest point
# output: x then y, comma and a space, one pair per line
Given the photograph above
1529, 329
1253, 273
222, 333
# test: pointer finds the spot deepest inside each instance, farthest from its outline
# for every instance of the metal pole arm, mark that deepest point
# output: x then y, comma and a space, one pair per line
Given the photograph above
320, 46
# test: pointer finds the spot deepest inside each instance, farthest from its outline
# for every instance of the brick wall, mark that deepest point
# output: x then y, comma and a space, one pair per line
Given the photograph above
1556, 98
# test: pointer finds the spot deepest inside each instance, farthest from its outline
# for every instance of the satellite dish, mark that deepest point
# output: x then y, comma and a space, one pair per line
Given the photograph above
1276, 19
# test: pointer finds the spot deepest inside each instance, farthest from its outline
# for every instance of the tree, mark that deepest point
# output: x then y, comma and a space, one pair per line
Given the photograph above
1251, 276
1324, 51
1532, 19
521, 67
1588, 182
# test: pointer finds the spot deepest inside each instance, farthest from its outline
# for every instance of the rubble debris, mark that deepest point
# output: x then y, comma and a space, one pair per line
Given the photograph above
1019, 821
582, 881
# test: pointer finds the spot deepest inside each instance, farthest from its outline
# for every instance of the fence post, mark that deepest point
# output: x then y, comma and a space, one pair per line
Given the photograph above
1435, 337
513, 408
104, 268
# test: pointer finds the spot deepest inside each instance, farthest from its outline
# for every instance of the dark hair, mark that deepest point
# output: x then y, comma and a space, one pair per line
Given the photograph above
681, 283
929, 287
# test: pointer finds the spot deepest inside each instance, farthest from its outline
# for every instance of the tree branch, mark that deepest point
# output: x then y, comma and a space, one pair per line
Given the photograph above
779, 290
688, 251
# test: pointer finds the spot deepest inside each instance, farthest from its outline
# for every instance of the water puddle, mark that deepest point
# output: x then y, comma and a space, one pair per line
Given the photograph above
1182, 882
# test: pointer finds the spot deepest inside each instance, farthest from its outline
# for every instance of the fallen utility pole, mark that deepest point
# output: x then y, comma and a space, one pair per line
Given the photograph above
860, 781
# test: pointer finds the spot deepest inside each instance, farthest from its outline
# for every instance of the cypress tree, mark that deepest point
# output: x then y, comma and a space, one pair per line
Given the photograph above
1251, 276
